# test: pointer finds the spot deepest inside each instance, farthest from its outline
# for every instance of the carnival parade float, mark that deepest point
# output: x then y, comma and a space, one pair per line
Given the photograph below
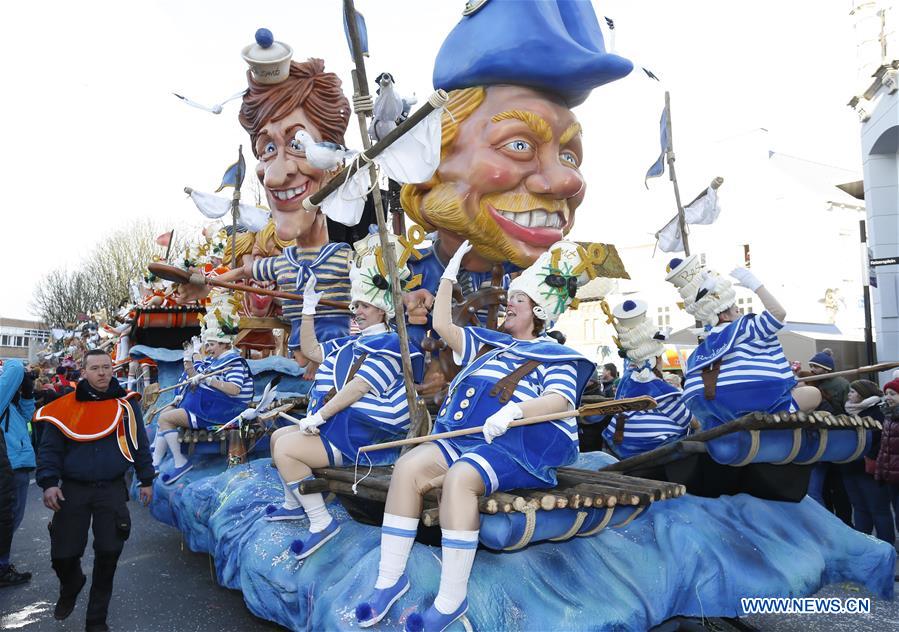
487, 172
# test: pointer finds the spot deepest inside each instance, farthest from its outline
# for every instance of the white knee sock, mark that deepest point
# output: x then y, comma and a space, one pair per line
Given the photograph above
171, 438
397, 538
290, 501
159, 448
459, 548
314, 504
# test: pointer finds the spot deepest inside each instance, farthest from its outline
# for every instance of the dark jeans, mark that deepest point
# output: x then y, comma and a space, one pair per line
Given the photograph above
870, 504
7, 502
103, 508
826, 486
21, 478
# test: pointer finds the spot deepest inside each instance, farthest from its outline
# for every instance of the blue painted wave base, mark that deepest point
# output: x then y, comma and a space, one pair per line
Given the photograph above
690, 557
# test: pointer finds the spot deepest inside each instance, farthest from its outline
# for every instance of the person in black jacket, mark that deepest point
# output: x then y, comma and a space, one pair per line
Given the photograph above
91, 438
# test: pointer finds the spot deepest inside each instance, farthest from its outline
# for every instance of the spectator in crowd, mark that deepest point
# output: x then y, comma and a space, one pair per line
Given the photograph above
826, 483
886, 469
870, 500
16, 460
609, 379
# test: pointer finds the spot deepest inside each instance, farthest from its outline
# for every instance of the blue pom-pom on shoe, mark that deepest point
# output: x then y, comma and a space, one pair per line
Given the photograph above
297, 546
363, 611
415, 623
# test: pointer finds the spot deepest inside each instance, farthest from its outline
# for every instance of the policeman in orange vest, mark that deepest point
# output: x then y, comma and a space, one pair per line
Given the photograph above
91, 438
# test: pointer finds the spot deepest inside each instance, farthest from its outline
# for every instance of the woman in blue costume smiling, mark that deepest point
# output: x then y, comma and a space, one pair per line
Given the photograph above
358, 398
506, 375
640, 341
740, 366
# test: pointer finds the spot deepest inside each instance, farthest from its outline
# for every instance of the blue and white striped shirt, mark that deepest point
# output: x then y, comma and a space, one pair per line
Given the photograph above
648, 429
237, 373
753, 367
555, 377
332, 276
386, 403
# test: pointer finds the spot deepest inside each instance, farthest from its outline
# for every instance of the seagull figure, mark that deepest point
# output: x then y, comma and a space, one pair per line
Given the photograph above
324, 155
387, 109
215, 109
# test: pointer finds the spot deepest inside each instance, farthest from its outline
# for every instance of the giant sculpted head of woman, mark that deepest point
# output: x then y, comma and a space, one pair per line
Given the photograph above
308, 99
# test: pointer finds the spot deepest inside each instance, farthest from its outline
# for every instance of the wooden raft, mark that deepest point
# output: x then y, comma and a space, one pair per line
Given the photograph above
754, 423
577, 489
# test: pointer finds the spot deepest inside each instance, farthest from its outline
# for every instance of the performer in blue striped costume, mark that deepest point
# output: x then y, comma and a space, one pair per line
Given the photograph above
641, 344
550, 378
740, 366
358, 398
207, 401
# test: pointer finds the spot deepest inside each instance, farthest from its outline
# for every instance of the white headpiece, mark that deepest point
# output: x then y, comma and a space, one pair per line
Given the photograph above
553, 279
705, 293
638, 337
369, 277
220, 322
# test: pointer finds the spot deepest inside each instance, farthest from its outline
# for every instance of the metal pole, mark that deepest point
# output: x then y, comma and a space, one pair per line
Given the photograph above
681, 218
419, 418
870, 356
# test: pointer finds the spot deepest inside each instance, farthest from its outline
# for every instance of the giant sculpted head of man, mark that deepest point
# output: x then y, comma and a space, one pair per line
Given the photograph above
509, 178
305, 97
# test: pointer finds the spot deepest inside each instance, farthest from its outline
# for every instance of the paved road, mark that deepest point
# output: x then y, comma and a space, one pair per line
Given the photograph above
161, 587
158, 587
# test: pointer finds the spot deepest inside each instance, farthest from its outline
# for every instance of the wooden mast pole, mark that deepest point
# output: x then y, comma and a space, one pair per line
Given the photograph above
419, 417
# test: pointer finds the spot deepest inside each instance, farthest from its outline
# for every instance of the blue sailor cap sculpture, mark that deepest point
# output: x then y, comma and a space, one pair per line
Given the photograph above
553, 46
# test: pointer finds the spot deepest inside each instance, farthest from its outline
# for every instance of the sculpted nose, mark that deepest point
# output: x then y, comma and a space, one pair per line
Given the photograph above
279, 171
555, 180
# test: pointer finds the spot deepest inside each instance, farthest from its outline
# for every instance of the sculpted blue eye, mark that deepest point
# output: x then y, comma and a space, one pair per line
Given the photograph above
569, 157
296, 145
269, 148
518, 146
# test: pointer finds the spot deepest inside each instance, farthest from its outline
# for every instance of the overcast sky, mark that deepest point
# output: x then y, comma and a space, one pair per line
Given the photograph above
93, 138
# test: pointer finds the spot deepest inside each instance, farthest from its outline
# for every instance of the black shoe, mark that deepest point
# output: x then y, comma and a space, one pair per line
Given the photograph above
66, 603
12, 577
96, 627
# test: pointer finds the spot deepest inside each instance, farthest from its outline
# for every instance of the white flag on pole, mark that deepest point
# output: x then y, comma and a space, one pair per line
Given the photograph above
703, 210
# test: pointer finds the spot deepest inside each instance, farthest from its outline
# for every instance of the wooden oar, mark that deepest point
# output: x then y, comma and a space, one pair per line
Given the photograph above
177, 275
150, 394
874, 368
602, 408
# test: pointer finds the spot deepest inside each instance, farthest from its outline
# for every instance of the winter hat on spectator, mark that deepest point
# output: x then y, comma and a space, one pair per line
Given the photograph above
866, 389
823, 359
892, 385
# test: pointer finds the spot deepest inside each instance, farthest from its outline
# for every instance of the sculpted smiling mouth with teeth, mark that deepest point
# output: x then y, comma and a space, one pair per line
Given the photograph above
290, 193
536, 219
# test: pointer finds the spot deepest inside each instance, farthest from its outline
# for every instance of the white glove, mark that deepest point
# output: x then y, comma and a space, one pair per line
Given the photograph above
177, 399
497, 423
745, 278
310, 424
455, 262
196, 379
249, 414
310, 296
189, 354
